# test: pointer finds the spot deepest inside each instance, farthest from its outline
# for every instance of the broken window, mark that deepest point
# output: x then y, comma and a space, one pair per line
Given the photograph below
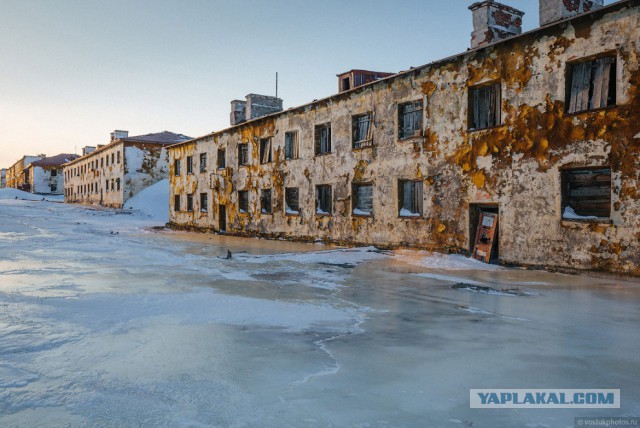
189, 164
243, 201
265, 201
106, 185
362, 131
485, 106
323, 199
410, 198
586, 194
291, 201
345, 84
593, 85
118, 157
176, 167
362, 196
113, 184
203, 162
118, 184
189, 202
54, 172
265, 150
204, 202
112, 158
176, 203
291, 145
222, 158
323, 139
243, 154
410, 119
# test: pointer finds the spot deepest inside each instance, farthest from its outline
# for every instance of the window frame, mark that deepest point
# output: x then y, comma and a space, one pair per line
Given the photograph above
204, 202
287, 208
565, 193
266, 150
356, 120
401, 117
318, 200
263, 199
223, 164
355, 199
317, 138
418, 198
177, 205
472, 115
176, 167
243, 197
203, 162
243, 154
189, 165
612, 83
190, 202
294, 142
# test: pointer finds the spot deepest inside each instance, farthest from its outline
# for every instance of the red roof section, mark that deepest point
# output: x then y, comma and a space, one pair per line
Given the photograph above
56, 160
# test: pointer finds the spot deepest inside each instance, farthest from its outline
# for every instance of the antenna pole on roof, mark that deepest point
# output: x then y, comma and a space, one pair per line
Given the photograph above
276, 84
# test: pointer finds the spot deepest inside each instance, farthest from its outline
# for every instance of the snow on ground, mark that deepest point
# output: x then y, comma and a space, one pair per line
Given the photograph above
152, 201
9, 193
104, 322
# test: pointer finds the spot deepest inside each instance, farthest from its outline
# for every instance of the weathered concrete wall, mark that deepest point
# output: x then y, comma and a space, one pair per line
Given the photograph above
43, 182
514, 166
145, 164
89, 179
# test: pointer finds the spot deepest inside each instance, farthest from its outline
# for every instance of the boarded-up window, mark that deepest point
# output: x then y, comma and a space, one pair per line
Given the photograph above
586, 194
323, 199
265, 150
410, 198
291, 145
291, 201
204, 202
593, 85
203, 162
323, 139
176, 203
485, 106
189, 164
243, 201
222, 158
176, 167
265, 202
190, 202
362, 196
362, 131
410, 119
243, 154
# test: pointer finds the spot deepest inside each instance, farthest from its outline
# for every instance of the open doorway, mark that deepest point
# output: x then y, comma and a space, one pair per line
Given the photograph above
222, 218
484, 239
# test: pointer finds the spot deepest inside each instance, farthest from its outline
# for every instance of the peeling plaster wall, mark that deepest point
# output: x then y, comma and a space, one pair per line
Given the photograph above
515, 166
41, 180
145, 164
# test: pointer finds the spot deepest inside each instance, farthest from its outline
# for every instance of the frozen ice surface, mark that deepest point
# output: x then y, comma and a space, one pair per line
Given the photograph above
105, 322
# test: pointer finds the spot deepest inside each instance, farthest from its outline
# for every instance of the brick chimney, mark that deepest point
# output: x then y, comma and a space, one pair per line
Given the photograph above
555, 10
493, 21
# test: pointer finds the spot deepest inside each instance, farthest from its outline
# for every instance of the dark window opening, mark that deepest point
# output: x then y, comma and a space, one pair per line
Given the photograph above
410, 119
54, 172
176, 203
586, 194
291, 201
362, 196
323, 199
362, 131
118, 156
118, 184
265, 201
189, 164
485, 106
243, 201
203, 162
593, 85
265, 150
346, 85
204, 202
243, 154
176, 167
291, 145
410, 198
323, 139
222, 158
189, 202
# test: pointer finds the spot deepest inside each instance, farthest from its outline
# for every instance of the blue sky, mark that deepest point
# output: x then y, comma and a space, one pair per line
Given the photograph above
72, 71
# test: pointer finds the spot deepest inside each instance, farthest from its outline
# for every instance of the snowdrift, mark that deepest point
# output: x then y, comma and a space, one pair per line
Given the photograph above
9, 193
152, 201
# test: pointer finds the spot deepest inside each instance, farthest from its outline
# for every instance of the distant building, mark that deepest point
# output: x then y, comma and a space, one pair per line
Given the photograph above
45, 175
3, 178
111, 174
17, 174
354, 78
254, 107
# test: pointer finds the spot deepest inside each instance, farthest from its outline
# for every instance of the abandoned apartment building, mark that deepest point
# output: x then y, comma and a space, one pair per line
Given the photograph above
45, 175
522, 150
17, 175
111, 174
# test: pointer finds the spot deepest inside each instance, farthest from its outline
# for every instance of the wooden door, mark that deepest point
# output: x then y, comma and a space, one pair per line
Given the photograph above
485, 236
